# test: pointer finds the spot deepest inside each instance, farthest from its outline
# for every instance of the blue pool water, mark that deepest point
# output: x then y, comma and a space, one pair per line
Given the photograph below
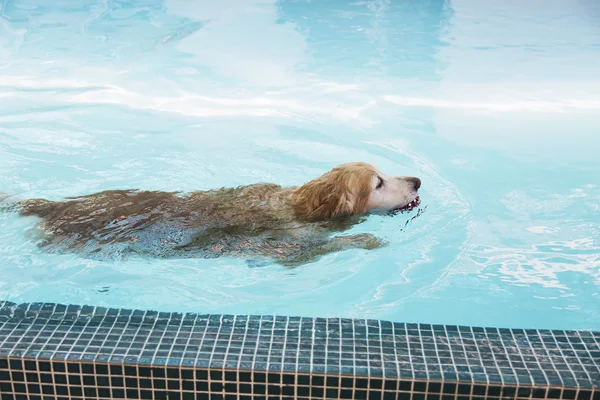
494, 105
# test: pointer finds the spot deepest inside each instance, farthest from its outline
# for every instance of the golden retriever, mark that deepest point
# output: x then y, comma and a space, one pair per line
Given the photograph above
290, 226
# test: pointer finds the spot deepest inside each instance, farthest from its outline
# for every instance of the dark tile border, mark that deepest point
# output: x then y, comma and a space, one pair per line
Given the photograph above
57, 351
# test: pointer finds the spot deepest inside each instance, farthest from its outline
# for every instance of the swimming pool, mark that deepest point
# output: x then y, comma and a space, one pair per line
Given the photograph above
494, 107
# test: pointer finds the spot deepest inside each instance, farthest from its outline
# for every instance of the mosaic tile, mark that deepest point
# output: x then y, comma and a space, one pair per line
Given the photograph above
53, 350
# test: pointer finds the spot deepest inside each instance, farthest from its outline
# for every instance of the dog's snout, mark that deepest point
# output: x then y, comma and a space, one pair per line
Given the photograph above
415, 181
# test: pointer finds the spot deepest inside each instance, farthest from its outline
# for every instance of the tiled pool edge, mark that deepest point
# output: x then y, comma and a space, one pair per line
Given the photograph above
57, 351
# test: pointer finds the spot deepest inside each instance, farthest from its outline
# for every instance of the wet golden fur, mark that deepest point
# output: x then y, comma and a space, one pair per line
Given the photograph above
263, 221
343, 191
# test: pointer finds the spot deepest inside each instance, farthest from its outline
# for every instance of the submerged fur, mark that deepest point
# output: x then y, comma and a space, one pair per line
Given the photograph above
290, 225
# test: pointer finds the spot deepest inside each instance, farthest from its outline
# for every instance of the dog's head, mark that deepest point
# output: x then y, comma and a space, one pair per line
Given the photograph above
354, 188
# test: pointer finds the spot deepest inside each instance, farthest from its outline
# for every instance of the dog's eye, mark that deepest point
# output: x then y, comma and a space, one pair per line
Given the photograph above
379, 183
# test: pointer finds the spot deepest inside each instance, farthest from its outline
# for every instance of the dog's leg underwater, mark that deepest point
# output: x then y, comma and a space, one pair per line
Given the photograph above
364, 241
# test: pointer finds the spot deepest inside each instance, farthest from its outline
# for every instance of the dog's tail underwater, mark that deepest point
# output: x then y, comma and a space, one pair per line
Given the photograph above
4, 201
8, 203
11, 204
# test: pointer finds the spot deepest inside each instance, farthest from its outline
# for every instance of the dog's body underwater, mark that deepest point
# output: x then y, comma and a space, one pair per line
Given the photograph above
290, 226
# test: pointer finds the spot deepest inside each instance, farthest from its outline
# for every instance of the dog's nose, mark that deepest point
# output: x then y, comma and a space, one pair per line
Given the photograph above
415, 181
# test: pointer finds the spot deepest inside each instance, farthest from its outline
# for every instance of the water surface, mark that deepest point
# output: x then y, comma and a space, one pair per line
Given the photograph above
494, 105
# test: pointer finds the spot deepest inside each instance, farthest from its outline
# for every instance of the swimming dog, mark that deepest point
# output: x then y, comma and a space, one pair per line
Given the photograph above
287, 225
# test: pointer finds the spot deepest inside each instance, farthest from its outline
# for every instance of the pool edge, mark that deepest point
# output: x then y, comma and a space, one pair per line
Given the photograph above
53, 350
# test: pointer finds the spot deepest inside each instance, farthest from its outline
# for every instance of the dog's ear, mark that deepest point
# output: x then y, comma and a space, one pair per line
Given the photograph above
343, 191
